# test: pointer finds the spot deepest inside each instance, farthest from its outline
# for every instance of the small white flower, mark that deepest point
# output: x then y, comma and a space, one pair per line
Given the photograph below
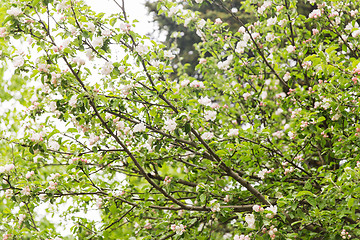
246, 95
290, 49
197, 84
262, 173
125, 27
250, 220
98, 42
18, 61
233, 132
180, 229
93, 139
336, 117
54, 145
90, 27
210, 115
282, 22
29, 174
169, 54
141, 49
25, 191
13, 11
355, 33
201, 23
271, 21
278, 134
207, 135
106, 32
140, 127
170, 125
205, 101
173, 10
242, 29
52, 106
287, 76
73, 101
107, 68
270, 37
272, 209
279, 111
291, 135
263, 95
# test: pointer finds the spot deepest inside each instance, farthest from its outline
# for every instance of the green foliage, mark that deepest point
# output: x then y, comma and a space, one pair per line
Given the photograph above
262, 144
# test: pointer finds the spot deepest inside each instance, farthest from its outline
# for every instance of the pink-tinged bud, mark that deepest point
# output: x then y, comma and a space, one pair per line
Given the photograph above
315, 31
356, 71
218, 21
9, 167
279, 8
202, 61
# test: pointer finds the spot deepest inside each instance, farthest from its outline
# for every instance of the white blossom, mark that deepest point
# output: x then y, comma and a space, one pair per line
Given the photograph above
250, 220
205, 101
140, 127
142, 49
18, 61
125, 27
107, 68
201, 23
90, 27
13, 11
278, 134
93, 139
170, 125
355, 33
246, 95
210, 115
169, 54
54, 145
98, 42
197, 84
271, 21
270, 37
263, 95
290, 49
73, 101
207, 135
233, 132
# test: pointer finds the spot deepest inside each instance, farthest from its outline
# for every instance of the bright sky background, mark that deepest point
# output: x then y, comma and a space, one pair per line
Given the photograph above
134, 8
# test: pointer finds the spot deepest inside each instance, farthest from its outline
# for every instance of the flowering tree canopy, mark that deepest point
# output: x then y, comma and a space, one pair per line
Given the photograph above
262, 144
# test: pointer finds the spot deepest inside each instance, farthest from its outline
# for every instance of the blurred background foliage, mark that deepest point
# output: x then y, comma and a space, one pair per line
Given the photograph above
188, 54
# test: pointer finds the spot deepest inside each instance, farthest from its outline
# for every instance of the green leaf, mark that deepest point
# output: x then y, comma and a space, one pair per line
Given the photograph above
35, 3
187, 127
351, 202
321, 119
72, 130
202, 198
305, 193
